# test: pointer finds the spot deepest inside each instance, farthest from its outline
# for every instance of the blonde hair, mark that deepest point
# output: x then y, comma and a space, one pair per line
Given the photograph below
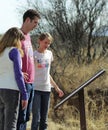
45, 35
12, 38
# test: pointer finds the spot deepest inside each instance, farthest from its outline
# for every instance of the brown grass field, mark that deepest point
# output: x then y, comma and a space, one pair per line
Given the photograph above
95, 104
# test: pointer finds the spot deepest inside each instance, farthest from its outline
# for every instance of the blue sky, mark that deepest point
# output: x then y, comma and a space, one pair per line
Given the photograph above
8, 15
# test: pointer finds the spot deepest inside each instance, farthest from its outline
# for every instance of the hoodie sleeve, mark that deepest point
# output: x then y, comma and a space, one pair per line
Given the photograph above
14, 55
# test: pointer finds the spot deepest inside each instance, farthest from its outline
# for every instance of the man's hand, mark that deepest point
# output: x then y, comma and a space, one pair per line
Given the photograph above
25, 75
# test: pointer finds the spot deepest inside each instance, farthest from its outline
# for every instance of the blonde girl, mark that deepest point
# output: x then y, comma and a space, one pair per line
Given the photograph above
11, 78
43, 82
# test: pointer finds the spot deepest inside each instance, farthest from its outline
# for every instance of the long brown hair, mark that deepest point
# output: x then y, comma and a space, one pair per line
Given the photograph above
12, 38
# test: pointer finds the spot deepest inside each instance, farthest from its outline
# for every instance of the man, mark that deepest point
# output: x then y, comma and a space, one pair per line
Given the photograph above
30, 21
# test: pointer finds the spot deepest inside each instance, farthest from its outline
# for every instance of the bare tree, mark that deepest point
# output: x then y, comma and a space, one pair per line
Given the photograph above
73, 21
73, 24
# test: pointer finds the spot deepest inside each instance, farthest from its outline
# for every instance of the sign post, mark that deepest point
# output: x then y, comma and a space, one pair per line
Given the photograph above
80, 91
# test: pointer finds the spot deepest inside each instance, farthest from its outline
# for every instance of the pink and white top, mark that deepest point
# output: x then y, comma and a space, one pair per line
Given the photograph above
42, 70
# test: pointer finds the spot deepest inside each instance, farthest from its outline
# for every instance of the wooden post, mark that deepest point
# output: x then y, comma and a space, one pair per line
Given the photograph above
82, 110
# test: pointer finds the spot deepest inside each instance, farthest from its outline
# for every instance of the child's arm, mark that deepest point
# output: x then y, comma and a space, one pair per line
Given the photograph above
58, 90
14, 55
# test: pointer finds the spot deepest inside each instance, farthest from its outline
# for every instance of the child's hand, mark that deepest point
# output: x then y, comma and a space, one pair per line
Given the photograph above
61, 93
24, 104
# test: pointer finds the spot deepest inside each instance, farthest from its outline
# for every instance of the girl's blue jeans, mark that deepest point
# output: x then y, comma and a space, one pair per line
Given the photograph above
9, 105
40, 108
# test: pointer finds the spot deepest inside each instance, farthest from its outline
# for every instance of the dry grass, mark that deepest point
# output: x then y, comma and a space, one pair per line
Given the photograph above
96, 104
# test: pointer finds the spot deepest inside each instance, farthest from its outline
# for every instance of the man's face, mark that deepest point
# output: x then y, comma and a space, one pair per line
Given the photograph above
33, 23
